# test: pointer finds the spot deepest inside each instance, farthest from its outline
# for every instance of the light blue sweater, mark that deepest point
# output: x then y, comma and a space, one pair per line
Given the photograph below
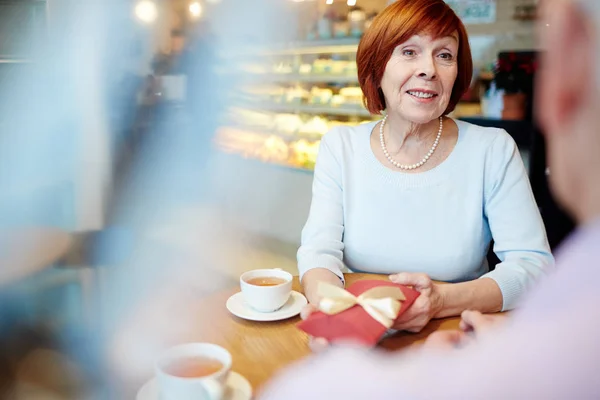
368, 218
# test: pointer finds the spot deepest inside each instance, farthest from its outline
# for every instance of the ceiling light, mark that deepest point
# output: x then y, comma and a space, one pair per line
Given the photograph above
146, 11
195, 9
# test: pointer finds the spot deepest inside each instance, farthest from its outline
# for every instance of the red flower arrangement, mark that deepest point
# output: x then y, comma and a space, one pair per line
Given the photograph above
514, 72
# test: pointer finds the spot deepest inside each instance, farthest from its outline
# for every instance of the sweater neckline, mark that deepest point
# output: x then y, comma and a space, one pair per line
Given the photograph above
413, 179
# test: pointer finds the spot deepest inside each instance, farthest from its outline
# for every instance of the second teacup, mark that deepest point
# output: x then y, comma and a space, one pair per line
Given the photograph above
193, 371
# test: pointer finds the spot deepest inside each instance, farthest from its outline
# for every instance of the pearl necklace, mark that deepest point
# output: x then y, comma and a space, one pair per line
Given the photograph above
413, 166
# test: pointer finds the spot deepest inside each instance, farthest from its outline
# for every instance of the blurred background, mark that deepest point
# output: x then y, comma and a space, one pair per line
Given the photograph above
151, 145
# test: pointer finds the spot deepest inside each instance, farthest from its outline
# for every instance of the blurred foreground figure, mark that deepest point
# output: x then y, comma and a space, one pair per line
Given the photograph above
160, 242
549, 348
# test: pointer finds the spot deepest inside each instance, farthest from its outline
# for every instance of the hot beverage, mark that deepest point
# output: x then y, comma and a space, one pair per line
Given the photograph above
193, 367
266, 281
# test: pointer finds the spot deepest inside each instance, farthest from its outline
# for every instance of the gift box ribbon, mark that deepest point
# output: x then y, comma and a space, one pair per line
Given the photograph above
382, 303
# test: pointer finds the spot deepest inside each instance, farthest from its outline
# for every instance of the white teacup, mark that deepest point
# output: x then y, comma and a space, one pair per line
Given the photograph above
209, 387
266, 298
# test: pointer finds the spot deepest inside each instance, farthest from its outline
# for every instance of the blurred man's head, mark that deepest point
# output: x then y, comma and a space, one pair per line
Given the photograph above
568, 102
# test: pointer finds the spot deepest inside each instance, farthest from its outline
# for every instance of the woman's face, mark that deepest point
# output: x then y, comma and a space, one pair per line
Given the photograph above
418, 79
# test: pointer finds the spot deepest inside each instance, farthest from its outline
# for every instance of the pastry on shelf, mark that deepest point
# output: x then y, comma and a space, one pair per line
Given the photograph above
337, 100
322, 66
283, 68
287, 123
350, 68
320, 96
333, 124
339, 67
304, 153
266, 93
297, 95
334, 67
305, 69
274, 149
316, 125
351, 95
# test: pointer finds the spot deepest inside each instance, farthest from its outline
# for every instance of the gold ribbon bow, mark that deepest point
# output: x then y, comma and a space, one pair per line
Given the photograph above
382, 303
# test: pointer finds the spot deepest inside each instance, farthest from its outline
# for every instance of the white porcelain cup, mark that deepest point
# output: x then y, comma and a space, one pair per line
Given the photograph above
210, 387
266, 298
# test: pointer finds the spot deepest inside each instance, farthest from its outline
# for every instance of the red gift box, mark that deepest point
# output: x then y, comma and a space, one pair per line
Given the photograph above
354, 323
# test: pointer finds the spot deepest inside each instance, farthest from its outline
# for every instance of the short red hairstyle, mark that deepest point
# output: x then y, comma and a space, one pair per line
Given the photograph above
397, 23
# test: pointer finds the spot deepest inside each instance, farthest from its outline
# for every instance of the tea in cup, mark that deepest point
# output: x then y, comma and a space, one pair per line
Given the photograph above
193, 371
266, 290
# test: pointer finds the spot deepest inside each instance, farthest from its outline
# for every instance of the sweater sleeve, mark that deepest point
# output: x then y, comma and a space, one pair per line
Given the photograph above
322, 245
515, 222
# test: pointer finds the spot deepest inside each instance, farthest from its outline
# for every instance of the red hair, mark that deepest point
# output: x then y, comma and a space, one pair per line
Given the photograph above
395, 25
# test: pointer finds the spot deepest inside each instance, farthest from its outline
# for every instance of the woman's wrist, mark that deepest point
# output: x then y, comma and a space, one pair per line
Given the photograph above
311, 279
439, 300
453, 298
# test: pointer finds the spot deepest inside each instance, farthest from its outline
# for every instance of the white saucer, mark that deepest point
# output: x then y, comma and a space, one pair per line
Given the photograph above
238, 388
238, 307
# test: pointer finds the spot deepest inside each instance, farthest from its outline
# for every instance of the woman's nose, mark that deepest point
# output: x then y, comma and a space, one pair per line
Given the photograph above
427, 68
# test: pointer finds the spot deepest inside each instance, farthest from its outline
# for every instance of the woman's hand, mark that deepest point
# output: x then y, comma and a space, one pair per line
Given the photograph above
310, 282
311, 279
425, 307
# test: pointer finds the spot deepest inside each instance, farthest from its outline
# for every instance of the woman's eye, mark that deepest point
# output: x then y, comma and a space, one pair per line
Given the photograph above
446, 56
408, 53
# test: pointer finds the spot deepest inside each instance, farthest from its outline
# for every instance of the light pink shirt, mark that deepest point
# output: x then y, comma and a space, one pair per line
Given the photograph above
549, 350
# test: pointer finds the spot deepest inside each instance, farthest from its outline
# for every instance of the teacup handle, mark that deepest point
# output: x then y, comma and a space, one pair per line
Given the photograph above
214, 389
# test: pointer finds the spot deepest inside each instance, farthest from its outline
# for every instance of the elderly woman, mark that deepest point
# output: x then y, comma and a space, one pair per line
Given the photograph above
420, 195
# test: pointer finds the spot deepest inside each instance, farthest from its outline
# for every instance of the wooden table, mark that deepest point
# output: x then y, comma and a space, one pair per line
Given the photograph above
260, 349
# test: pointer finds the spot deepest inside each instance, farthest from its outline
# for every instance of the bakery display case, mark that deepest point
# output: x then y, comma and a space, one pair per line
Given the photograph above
297, 93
